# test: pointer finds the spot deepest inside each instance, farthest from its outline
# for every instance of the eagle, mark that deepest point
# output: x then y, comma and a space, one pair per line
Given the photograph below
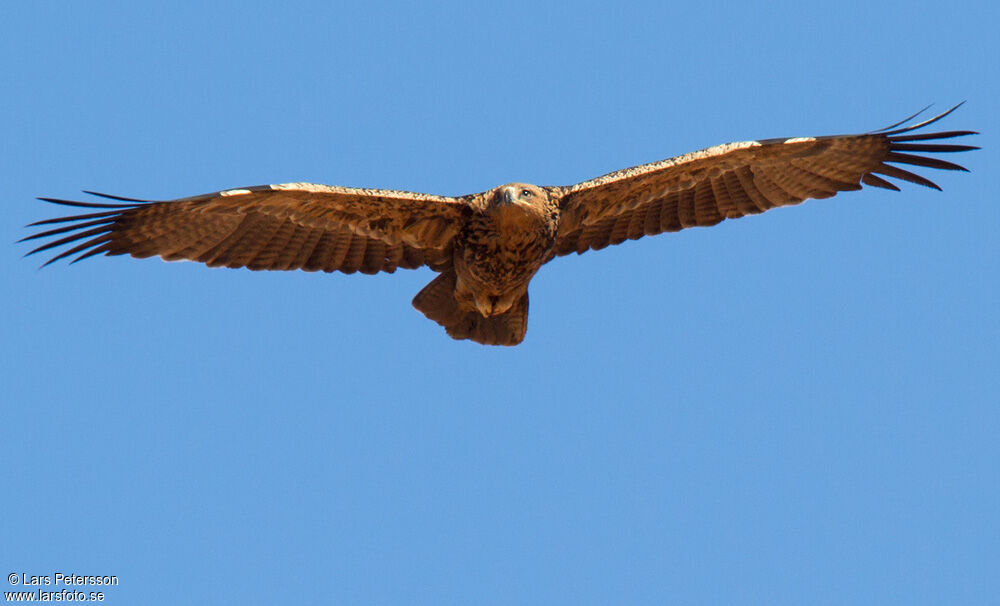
488, 246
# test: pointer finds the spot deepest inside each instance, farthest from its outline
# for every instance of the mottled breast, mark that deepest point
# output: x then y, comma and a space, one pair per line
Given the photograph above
508, 238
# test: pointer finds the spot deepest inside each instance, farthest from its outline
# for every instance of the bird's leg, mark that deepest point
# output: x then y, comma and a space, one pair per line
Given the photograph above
464, 295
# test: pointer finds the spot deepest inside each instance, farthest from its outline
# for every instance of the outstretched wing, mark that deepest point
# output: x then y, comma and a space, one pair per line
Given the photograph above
739, 179
287, 226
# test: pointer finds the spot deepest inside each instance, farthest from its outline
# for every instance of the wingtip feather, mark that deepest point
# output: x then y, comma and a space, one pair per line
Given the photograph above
114, 197
84, 204
912, 127
904, 120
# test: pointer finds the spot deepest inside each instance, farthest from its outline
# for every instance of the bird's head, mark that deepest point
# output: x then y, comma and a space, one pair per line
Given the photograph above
519, 194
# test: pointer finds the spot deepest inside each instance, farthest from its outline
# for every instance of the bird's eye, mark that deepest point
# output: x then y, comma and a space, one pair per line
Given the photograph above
526, 193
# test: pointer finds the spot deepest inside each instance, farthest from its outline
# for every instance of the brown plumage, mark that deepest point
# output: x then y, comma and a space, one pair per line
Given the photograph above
488, 246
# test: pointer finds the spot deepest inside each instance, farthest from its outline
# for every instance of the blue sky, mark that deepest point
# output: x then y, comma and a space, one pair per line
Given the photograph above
799, 407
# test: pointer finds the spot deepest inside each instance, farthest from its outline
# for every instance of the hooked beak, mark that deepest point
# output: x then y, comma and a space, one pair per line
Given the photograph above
508, 195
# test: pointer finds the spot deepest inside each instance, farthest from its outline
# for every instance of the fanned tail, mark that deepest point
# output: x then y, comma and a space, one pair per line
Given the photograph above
437, 302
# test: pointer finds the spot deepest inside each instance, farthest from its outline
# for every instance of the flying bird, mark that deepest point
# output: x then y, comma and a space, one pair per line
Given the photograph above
487, 246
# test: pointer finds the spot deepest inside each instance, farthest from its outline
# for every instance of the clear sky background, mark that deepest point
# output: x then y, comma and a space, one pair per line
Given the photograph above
800, 407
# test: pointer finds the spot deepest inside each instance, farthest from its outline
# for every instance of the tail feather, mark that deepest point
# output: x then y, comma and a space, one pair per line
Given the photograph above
437, 302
